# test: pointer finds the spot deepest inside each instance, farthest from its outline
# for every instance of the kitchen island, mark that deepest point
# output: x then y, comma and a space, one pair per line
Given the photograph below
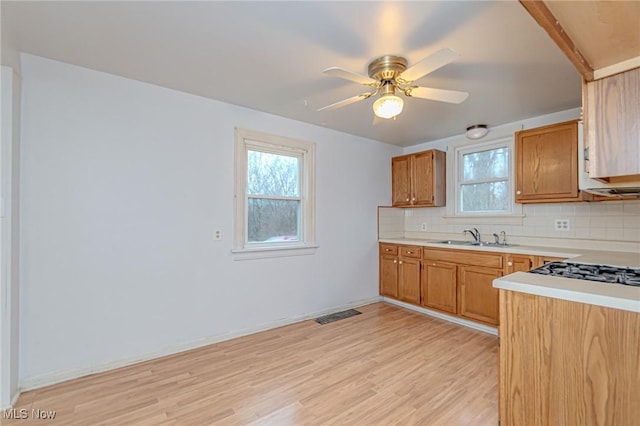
569, 348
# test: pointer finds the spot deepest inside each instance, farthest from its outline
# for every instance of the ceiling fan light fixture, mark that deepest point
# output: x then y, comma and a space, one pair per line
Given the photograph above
477, 131
388, 106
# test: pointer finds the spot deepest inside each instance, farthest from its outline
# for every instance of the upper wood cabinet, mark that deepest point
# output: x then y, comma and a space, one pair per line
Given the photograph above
612, 125
547, 164
418, 180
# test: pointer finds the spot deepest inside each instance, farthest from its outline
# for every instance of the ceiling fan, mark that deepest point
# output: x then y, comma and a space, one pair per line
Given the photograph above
389, 74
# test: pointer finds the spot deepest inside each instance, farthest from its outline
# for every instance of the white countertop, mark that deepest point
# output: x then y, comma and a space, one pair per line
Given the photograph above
617, 296
598, 257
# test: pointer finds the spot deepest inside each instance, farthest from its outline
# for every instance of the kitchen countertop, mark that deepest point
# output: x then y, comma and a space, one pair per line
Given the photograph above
617, 296
614, 258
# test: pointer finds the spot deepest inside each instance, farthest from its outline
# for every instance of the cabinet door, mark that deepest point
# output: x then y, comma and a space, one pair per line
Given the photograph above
389, 276
401, 180
478, 298
518, 263
423, 178
611, 124
547, 163
439, 285
409, 280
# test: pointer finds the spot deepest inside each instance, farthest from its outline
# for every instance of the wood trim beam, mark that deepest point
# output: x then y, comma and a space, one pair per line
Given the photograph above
543, 16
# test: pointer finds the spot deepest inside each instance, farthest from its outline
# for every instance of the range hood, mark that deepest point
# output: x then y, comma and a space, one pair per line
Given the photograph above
615, 188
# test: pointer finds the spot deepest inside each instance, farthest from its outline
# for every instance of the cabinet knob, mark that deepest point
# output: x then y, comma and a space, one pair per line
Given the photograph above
433, 264
395, 261
407, 199
409, 252
509, 263
413, 199
387, 249
518, 192
400, 262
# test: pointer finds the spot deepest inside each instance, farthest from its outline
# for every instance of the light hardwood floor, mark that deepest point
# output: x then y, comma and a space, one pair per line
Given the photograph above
387, 366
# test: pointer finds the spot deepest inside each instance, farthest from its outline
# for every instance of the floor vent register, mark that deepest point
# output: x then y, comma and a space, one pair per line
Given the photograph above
337, 316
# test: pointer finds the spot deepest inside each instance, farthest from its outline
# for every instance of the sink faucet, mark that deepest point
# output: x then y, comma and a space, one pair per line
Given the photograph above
474, 232
496, 238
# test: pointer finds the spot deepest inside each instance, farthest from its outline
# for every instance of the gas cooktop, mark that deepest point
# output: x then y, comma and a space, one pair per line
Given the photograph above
583, 271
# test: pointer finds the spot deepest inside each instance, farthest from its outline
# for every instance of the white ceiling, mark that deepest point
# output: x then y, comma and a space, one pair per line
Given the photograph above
269, 56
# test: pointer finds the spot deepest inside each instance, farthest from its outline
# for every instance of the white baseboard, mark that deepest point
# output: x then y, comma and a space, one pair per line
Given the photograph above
62, 376
12, 403
450, 318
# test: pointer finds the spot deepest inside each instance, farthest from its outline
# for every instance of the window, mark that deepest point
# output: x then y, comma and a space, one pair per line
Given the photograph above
484, 183
274, 197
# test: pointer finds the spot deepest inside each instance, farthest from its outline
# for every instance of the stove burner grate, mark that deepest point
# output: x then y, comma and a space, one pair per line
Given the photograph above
598, 273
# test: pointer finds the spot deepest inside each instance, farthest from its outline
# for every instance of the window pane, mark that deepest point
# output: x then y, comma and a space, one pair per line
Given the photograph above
273, 220
482, 197
272, 174
483, 165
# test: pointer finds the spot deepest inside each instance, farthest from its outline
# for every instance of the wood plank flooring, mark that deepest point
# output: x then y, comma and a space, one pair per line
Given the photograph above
387, 366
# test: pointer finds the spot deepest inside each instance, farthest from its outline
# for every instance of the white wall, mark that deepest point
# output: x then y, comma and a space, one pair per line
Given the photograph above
9, 235
123, 184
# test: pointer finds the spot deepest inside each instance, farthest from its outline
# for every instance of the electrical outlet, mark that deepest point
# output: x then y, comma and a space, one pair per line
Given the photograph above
562, 225
217, 235
423, 226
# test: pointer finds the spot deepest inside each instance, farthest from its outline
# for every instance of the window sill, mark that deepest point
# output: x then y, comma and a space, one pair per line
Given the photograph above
486, 216
273, 251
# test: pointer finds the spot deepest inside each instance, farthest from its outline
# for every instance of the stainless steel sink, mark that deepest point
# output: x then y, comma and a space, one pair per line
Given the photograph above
456, 242
487, 244
472, 243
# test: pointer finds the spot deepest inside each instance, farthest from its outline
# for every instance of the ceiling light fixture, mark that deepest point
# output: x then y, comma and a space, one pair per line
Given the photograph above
477, 131
388, 105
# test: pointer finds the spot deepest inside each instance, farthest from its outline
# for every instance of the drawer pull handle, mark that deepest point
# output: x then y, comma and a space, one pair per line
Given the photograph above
409, 252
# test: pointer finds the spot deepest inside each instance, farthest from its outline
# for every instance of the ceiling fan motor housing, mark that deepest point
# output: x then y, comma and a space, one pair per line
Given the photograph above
387, 68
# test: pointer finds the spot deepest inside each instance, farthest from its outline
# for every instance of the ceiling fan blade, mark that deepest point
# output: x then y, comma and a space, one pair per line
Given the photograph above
346, 102
350, 75
429, 64
451, 96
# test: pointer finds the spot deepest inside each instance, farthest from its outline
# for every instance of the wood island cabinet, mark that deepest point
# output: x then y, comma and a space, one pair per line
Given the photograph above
547, 164
567, 363
418, 180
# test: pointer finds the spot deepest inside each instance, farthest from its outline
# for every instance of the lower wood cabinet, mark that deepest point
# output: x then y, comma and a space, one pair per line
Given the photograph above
457, 282
439, 285
400, 272
479, 300
519, 263
389, 276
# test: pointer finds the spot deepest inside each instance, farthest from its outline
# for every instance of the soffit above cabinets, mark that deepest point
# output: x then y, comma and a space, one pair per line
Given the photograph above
607, 33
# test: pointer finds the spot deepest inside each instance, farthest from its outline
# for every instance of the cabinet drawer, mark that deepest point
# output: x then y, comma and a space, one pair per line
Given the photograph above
464, 257
389, 249
411, 251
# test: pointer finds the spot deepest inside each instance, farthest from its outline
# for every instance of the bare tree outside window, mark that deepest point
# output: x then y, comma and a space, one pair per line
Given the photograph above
274, 202
484, 181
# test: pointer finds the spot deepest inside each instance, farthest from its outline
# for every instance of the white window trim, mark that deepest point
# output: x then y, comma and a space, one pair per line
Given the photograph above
245, 138
515, 210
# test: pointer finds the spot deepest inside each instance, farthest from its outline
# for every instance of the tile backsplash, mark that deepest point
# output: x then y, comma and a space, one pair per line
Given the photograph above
605, 221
